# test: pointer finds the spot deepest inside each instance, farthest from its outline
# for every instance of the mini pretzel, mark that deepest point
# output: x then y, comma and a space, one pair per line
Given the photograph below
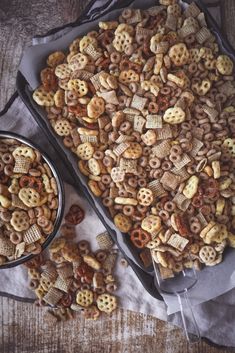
139, 237
75, 215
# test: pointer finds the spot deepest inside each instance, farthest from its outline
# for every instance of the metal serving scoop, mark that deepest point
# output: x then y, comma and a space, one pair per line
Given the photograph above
179, 285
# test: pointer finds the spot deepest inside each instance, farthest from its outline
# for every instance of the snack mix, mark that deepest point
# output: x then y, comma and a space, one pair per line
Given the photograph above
74, 278
28, 200
147, 105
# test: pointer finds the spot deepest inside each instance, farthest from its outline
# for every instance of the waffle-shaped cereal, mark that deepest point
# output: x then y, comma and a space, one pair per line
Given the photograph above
179, 54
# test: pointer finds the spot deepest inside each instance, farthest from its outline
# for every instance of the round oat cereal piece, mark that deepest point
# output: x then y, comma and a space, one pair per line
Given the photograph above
179, 54
106, 303
145, 196
30, 197
85, 151
84, 297
20, 221
94, 166
122, 222
151, 224
224, 65
62, 127
134, 151
207, 254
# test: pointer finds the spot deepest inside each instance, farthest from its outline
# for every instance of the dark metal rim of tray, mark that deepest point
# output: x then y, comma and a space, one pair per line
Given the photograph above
145, 278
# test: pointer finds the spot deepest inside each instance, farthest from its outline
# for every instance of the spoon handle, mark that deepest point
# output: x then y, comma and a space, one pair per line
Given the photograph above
186, 306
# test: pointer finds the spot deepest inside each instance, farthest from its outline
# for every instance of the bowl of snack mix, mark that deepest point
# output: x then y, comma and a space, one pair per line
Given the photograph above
31, 200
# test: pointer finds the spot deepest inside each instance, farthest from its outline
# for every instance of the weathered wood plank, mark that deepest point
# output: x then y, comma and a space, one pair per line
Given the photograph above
23, 330
19, 22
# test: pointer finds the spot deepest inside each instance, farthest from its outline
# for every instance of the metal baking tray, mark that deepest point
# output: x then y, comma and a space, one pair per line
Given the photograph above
25, 92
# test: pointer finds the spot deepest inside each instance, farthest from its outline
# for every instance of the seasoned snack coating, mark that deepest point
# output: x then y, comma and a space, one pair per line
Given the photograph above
154, 130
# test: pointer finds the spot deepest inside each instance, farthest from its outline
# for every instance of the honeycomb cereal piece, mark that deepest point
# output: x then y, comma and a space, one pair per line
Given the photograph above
20, 221
85, 151
202, 88
108, 25
43, 97
174, 116
217, 234
30, 197
106, 303
194, 55
191, 187
62, 127
151, 224
95, 107
224, 65
122, 40
78, 86
229, 144
55, 59
63, 71
128, 76
117, 174
26, 152
122, 222
78, 62
207, 254
84, 298
179, 54
85, 41
94, 166
134, 151
150, 138
59, 98
145, 196
231, 240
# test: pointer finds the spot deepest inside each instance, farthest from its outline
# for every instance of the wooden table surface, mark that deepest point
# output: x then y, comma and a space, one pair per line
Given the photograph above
22, 328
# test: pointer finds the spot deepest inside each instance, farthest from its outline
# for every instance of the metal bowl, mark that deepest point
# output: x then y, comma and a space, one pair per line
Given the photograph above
61, 198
